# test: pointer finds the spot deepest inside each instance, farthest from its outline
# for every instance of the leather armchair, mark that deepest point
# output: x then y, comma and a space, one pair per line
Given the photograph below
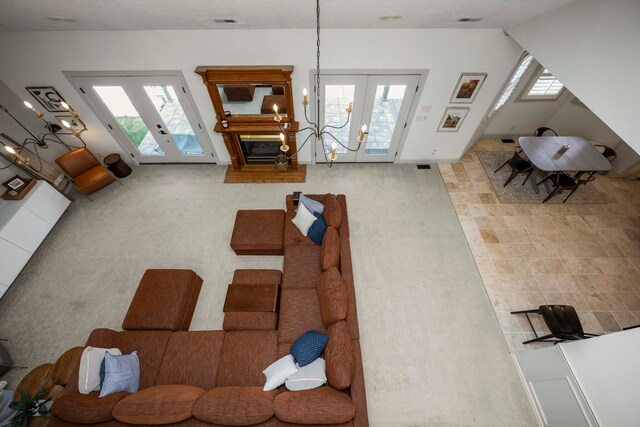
86, 172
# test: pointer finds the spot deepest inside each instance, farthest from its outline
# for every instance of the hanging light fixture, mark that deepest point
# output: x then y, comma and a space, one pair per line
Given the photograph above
319, 133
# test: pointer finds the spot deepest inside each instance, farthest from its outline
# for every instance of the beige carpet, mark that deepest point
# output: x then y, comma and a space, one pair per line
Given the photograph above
516, 193
433, 352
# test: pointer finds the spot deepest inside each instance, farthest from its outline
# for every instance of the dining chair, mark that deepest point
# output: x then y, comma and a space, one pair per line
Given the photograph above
563, 182
541, 131
608, 153
519, 164
563, 323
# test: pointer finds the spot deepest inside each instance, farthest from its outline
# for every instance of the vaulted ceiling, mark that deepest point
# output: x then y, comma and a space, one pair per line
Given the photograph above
31, 15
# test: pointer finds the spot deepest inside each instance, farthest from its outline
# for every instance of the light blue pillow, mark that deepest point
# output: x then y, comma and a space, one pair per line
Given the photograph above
312, 206
122, 373
308, 347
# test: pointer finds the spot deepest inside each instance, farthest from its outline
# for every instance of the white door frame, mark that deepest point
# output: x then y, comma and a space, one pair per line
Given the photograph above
422, 73
75, 78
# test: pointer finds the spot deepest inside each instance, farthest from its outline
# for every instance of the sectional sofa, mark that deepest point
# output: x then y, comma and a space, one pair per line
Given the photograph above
193, 378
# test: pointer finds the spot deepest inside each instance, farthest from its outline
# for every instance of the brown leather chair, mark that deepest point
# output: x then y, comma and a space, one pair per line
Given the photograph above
86, 172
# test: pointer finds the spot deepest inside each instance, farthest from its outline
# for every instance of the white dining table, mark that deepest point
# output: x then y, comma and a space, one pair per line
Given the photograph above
546, 154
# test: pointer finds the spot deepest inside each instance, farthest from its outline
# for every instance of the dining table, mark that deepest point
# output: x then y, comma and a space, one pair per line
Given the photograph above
549, 154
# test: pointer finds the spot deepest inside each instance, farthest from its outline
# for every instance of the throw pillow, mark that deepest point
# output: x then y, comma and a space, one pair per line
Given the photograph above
89, 378
122, 373
313, 206
308, 377
278, 372
308, 347
317, 229
303, 219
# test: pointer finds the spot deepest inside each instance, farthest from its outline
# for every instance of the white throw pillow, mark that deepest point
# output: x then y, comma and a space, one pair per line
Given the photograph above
304, 219
310, 376
278, 372
90, 362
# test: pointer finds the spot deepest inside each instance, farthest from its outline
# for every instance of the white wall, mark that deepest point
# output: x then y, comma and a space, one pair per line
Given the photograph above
517, 117
573, 119
38, 58
591, 41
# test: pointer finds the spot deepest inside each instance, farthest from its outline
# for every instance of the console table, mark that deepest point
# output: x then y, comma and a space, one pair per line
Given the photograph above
24, 224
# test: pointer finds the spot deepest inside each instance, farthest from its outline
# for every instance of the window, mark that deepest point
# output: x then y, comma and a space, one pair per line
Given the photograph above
515, 79
546, 86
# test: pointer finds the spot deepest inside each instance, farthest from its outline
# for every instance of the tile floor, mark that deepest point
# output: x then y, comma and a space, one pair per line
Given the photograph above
587, 256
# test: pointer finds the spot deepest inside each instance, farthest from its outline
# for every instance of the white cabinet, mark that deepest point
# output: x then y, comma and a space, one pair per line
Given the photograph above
24, 224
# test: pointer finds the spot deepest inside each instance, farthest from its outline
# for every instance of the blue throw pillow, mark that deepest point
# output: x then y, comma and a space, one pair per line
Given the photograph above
122, 373
317, 229
308, 347
312, 206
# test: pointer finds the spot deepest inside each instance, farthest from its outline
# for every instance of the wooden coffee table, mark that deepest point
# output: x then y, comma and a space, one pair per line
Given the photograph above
262, 298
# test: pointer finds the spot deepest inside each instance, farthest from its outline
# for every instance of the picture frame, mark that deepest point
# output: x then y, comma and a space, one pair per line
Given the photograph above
467, 88
76, 124
15, 183
452, 119
48, 97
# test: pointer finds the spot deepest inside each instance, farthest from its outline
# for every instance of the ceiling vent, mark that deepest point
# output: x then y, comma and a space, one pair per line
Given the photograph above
225, 21
469, 19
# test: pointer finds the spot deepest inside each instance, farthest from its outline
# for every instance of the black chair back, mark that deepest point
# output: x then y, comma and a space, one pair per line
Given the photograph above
541, 131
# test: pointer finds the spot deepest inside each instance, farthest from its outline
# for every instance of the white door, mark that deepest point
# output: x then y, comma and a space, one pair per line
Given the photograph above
381, 102
150, 116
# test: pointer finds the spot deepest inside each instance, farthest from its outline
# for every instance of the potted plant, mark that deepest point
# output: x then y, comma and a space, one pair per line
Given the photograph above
29, 407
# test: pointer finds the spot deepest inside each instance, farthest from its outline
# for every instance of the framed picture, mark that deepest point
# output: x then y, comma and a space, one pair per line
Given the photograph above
467, 87
452, 119
48, 97
15, 183
75, 123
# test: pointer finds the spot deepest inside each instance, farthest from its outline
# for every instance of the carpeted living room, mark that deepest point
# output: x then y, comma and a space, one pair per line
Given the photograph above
319, 220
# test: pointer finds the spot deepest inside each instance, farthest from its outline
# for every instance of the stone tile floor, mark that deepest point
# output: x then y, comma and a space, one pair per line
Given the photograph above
587, 256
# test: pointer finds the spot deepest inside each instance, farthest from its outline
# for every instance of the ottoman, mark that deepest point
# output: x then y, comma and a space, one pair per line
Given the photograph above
258, 232
252, 320
164, 300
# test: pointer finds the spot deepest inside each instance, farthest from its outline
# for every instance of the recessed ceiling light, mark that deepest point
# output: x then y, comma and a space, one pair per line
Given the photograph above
224, 21
390, 17
469, 19
60, 19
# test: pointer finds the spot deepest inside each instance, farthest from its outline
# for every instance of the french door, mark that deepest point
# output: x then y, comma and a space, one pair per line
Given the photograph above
382, 102
150, 116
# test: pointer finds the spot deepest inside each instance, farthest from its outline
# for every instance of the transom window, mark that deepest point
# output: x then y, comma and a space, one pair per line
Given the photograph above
546, 86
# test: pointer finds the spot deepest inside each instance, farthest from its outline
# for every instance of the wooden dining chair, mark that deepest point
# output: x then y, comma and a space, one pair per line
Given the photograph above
519, 164
563, 182
542, 130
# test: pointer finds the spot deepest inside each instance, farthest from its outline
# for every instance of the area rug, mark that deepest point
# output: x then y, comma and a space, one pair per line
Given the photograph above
516, 193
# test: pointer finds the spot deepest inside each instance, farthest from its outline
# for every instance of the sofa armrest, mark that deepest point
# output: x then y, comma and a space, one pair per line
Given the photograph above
357, 391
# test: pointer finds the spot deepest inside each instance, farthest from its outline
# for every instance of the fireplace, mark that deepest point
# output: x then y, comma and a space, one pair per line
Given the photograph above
259, 149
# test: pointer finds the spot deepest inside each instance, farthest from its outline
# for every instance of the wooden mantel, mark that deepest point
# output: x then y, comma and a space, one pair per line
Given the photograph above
231, 125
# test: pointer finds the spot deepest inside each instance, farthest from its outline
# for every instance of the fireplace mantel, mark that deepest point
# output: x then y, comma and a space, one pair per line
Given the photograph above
242, 99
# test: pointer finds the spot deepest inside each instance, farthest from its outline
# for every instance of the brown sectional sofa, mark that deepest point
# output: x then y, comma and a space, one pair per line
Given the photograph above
199, 378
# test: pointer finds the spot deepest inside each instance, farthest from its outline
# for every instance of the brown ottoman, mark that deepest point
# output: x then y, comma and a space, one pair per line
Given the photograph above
239, 93
165, 299
269, 100
258, 232
252, 320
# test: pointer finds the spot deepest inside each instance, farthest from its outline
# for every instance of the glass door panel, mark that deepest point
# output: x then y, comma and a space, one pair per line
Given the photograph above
126, 115
386, 110
336, 101
169, 108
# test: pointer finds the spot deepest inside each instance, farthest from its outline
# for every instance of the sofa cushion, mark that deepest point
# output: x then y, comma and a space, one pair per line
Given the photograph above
249, 321
192, 358
344, 223
257, 277
235, 406
164, 299
339, 356
86, 408
322, 405
258, 232
161, 404
150, 346
292, 235
63, 368
244, 355
332, 211
301, 266
332, 296
352, 312
299, 313
330, 253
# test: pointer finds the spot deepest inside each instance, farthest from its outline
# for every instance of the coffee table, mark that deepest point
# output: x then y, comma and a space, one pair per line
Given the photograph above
253, 298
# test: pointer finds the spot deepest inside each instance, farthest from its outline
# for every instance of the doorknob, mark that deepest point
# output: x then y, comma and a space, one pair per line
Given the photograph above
162, 132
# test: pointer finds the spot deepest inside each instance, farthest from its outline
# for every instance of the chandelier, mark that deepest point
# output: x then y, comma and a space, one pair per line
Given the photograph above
319, 133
